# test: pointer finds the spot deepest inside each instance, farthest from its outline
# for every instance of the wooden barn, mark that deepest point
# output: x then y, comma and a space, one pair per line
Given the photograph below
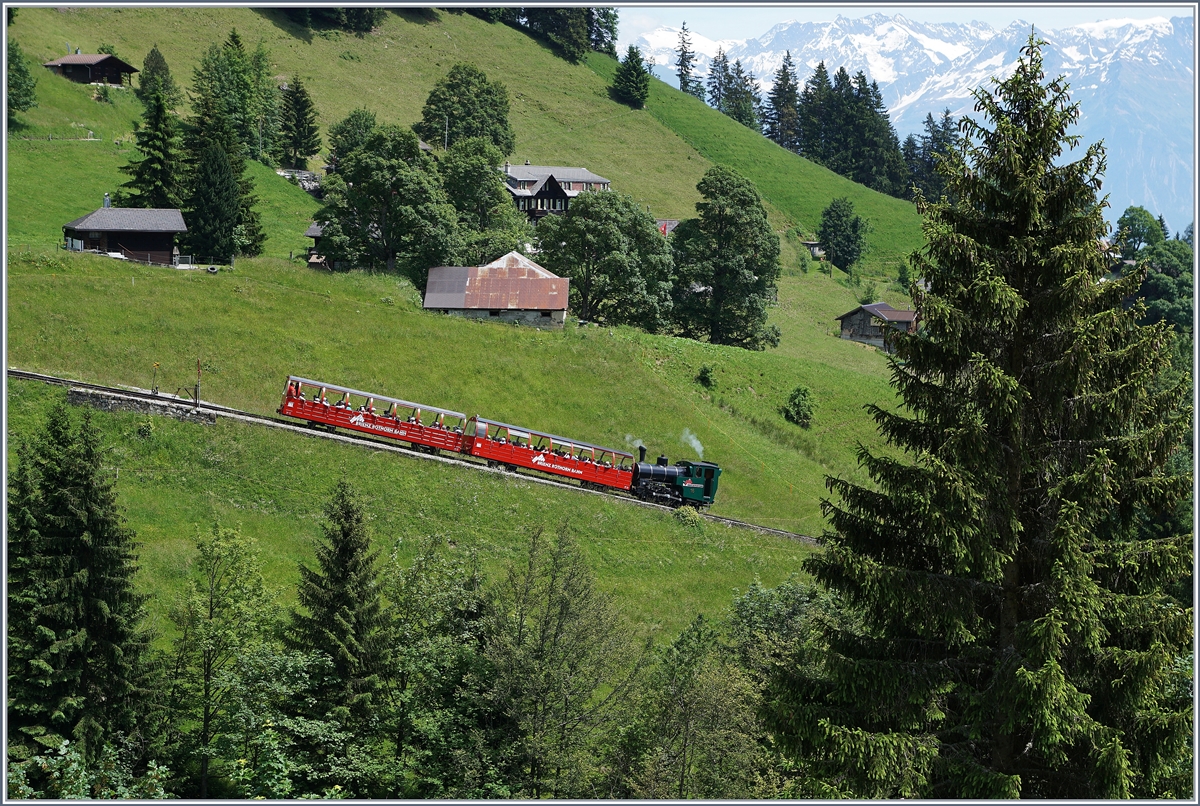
92, 68
129, 232
511, 289
868, 323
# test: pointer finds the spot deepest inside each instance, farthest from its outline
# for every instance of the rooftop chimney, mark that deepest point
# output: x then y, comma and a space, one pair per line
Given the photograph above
506, 167
107, 201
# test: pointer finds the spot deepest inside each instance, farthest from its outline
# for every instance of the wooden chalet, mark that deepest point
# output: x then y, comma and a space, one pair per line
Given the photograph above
92, 68
869, 323
539, 190
128, 232
511, 289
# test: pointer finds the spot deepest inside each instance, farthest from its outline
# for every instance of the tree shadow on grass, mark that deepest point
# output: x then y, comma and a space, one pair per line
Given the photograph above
418, 16
280, 20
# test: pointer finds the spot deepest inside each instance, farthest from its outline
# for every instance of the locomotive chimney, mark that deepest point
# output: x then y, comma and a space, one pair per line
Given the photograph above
641, 453
663, 461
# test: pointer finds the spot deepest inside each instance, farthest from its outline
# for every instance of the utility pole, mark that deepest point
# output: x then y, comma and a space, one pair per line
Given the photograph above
197, 396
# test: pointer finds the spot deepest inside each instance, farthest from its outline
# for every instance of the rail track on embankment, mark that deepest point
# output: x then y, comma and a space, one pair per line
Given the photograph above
175, 405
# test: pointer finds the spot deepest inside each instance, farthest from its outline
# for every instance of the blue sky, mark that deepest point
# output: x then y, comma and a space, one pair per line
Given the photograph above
740, 21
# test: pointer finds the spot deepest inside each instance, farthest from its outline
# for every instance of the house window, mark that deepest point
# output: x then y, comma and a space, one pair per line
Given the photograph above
545, 314
493, 313
94, 235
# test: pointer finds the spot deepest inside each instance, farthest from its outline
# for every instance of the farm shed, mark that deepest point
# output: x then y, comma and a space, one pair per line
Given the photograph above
539, 190
511, 289
92, 68
131, 232
868, 323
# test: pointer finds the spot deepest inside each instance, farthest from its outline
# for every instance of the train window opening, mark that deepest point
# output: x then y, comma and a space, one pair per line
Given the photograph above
708, 473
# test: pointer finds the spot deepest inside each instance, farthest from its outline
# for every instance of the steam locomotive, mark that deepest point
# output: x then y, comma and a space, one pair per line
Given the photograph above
434, 430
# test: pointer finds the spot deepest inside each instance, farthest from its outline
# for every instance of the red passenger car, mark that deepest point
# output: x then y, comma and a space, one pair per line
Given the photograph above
424, 426
513, 447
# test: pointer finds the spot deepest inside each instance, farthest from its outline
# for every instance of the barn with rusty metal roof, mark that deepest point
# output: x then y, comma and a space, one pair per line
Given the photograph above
511, 289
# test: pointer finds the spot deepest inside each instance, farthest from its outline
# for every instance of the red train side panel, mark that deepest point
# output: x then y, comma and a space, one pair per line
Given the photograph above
558, 456
396, 423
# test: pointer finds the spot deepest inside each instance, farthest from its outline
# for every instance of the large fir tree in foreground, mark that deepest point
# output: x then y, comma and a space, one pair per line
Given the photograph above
1017, 638
78, 656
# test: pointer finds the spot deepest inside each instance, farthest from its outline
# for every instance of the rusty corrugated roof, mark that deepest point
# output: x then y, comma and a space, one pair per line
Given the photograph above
514, 282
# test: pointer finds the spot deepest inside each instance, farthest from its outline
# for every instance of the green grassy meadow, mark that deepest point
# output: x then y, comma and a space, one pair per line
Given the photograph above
95, 319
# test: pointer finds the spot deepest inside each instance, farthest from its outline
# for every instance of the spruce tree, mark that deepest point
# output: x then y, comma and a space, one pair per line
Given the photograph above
718, 81
602, 30
683, 65
783, 102
155, 79
21, 96
212, 209
1017, 640
210, 124
631, 84
815, 108
299, 128
342, 614
843, 235
155, 179
744, 103
79, 658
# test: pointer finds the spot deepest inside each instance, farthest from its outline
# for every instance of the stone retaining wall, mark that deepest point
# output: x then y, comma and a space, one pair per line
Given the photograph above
110, 402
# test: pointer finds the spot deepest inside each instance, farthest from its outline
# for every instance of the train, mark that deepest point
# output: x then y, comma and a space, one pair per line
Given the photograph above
435, 430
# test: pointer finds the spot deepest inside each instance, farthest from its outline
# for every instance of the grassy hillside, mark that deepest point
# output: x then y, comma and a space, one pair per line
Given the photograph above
273, 485
82, 316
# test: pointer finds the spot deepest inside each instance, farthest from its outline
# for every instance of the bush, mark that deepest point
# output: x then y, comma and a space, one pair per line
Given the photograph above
799, 407
690, 517
705, 377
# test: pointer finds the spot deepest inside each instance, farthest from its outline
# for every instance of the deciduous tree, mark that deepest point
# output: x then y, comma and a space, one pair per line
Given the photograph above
386, 207
490, 224
466, 104
348, 134
727, 264
618, 261
21, 83
562, 658
1017, 640
224, 613
843, 235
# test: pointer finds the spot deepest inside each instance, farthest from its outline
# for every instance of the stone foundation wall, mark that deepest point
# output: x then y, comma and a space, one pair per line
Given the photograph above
105, 401
534, 318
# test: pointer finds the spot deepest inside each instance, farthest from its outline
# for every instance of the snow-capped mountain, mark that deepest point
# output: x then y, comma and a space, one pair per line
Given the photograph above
1133, 80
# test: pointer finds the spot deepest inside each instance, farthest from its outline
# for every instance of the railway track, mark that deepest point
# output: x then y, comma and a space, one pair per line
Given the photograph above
177, 402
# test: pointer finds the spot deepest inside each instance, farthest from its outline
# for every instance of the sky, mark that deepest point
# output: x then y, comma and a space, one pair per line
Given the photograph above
744, 21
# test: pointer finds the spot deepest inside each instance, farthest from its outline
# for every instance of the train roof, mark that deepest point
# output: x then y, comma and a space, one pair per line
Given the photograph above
373, 396
534, 432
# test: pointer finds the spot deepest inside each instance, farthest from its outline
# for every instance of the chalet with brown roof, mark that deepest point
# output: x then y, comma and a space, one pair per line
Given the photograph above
539, 190
869, 323
511, 289
92, 68
146, 235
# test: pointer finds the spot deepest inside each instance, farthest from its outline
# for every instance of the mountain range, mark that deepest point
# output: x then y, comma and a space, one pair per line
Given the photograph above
1133, 80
